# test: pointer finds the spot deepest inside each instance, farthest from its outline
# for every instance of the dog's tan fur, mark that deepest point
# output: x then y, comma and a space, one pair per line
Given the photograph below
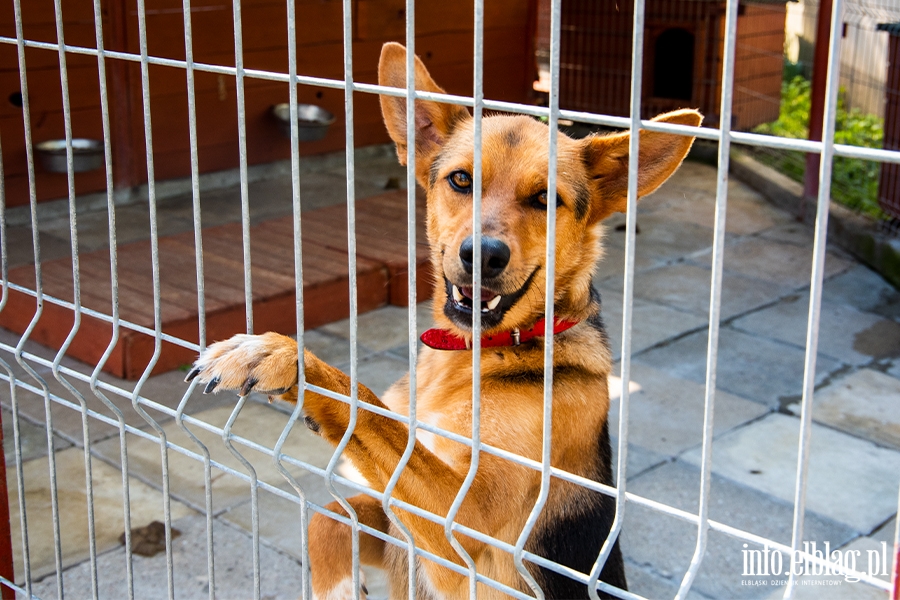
592, 177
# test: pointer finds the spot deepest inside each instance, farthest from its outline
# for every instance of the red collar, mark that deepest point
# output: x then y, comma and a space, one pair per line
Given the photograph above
441, 339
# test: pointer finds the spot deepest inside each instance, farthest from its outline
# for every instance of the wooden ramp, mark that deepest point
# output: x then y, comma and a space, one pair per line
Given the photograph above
381, 279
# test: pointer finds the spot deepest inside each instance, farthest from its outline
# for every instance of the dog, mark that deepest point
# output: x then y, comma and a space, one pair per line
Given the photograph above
574, 523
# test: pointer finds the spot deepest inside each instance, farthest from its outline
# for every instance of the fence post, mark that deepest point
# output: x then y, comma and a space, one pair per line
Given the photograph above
817, 102
7, 569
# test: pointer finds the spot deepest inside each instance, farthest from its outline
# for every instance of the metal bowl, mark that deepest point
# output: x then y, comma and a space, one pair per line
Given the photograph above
87, 155
312, 121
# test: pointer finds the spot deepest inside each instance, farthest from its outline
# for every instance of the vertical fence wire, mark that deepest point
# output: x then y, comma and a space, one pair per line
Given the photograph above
76, 297
114, 293
477, 177
242, 158
637, 61
201, 295
347, 23
715, 299
277, 456
157, 300
549, 299
815, 290
412, 328
39, 297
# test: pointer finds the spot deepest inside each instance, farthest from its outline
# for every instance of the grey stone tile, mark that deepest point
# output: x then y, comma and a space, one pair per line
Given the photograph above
779, 263
666, 413
865, 290
612, 266
379, 371
851, 481
839, 587
865, 404
257, 422
886, 532
33, 440
280, 575
132, 224
686, 286
665, 544
794, 232
644, 582
146, 506
662, 239
755, 368
651, 323
20, 248
639, 459
380, 329
851, 336
330, 348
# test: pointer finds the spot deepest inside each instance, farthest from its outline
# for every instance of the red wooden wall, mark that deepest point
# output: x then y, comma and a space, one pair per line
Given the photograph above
444, 39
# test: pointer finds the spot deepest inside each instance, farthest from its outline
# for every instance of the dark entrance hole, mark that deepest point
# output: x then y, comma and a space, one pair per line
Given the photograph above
673, 66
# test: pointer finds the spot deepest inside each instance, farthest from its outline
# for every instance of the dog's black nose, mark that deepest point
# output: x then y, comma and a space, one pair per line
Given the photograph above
494, 256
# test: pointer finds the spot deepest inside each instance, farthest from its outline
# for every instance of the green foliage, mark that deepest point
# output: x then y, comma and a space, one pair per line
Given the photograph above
854, 182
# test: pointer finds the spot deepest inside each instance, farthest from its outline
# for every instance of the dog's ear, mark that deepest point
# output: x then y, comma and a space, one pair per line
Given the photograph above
660, 154
433, 121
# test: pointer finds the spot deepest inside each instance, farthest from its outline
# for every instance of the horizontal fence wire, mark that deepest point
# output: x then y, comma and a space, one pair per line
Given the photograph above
237, 444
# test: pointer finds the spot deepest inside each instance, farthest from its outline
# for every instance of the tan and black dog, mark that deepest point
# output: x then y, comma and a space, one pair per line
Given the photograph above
592, 181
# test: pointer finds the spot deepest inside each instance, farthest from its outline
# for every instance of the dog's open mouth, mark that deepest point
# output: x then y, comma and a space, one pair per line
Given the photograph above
492, 305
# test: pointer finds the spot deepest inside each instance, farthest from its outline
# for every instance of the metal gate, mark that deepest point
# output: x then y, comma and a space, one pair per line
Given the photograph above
38, 387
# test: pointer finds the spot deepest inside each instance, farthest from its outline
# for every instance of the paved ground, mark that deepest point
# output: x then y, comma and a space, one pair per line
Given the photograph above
852, 493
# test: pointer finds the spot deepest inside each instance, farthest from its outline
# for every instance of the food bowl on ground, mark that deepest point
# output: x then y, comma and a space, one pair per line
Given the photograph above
312, 121
87, 155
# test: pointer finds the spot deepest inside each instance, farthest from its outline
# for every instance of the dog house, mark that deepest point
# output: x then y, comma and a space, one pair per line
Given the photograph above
683, 50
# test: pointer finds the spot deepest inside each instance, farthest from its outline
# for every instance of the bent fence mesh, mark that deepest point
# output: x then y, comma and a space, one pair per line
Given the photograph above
69, 391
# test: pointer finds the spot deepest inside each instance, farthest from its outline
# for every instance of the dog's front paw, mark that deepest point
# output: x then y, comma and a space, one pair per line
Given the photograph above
266, 363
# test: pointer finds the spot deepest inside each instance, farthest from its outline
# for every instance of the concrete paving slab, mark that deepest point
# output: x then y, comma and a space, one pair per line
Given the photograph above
33, 440
776, 262
612, 266
686, 286
280, 526
651, 323
379, 372
865, 404
755, 368
665, 544
381, 329
280, 575
644, 582
640, 459
666, 415
662, 239
257, 422
886, 532
850, 336
841, 587
865, 290
851, 481
795, 233
146, 506
20, 247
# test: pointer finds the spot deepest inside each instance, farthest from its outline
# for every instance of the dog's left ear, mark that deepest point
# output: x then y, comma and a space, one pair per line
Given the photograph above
660, 155
434, 121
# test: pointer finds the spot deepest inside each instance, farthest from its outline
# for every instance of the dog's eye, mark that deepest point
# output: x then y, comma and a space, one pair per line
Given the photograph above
539, 200
460, 181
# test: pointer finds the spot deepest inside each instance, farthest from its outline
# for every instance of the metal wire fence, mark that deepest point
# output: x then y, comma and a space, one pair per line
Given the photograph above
73, 381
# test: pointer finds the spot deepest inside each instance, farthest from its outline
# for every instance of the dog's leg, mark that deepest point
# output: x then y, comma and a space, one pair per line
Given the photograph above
330, 548
268, 363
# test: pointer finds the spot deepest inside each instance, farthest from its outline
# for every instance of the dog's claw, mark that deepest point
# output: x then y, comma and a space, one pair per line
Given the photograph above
248, 386
211, 385
192, 374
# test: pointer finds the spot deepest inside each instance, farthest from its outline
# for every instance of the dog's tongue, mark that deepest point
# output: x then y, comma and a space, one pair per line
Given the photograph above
486, 295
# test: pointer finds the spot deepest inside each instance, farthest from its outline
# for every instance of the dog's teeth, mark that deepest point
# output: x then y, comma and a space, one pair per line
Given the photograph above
457, 294
495, 301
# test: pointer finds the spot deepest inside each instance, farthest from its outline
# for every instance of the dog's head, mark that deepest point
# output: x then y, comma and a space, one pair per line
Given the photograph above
592, 177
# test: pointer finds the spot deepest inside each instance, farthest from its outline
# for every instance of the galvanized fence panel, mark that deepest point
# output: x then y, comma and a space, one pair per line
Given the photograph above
238, 445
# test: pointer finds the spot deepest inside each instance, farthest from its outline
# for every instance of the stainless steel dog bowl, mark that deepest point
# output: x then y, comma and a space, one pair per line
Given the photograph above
312, 121
87, 155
